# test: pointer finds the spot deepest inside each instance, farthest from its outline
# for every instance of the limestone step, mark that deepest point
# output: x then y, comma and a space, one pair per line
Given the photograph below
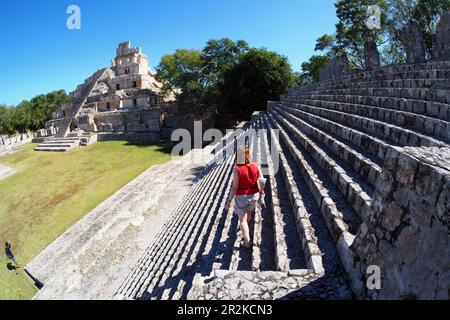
269, 285
395, 134
371, 147
426, 99
366, 166
340, 217
347, 182
289, 254
395, 83
431, 109
171, 238
432, 127
403, 71
403, 86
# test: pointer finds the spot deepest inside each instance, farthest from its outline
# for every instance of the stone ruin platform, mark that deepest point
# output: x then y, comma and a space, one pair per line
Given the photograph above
363, 179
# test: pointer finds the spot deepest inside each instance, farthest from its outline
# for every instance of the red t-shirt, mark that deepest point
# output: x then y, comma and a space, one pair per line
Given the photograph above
248, 179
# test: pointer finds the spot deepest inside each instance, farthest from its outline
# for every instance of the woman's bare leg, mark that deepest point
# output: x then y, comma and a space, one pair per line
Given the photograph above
244, 228
249, 215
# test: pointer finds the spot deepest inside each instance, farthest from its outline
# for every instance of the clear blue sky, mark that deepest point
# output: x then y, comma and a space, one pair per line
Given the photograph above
39, 54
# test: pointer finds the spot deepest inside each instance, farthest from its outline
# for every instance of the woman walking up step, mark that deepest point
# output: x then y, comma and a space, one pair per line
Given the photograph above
248, 187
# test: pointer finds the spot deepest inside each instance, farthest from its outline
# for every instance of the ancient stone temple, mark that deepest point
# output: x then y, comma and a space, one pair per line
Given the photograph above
122, 99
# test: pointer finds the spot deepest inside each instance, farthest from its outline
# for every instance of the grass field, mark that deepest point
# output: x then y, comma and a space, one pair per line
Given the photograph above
51, 191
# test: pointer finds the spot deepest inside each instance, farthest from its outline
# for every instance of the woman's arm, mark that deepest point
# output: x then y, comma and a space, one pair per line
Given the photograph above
234, 188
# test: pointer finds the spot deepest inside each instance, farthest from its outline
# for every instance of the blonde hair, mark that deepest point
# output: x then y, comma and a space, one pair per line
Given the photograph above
243, 153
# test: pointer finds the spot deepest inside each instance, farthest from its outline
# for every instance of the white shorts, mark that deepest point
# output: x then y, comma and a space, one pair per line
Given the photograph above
245, 203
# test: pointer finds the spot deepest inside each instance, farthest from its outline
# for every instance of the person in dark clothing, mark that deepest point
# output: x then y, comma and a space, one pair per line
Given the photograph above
9, 254
10, 267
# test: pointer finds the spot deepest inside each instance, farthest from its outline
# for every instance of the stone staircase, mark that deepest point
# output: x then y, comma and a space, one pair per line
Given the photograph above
333, 138
59, 144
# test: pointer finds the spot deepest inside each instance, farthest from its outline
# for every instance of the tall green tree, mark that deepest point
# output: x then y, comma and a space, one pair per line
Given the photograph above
260, 75
310, 69
220, 55
182, 71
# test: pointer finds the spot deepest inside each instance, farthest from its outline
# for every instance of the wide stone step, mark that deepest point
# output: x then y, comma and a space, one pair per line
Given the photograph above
435, 128
346, 182
142, 280
343, 151
269, 285
414, 71
372, 147
426, 94
431, 109
339, 216
395, 83
382, 83
395, 134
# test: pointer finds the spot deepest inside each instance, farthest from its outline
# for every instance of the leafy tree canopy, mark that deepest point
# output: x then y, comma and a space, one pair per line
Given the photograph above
225, 72
30, 115
258, 76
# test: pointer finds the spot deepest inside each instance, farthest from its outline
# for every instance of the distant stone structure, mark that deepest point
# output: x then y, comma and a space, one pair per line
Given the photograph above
371, 55
414, 45
335, 68
9, 143
442, 40
123, 100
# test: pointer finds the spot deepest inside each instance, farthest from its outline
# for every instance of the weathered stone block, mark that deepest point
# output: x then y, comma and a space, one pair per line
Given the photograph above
414, 45
371, 55
428, 183
392, 216
406, 170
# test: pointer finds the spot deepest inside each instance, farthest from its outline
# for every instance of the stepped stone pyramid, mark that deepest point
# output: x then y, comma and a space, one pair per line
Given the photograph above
121, 99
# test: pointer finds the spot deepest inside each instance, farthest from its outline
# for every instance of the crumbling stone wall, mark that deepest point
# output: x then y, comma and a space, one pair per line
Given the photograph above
335, 68
10, 142
407, 234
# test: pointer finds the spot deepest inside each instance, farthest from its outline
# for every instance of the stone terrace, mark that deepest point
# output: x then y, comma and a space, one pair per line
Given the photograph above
334, 139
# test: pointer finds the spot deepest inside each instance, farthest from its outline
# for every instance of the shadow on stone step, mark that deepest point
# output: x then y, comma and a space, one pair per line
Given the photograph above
329, 287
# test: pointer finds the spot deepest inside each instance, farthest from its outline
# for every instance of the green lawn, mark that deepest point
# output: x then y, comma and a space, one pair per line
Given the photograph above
51, 191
